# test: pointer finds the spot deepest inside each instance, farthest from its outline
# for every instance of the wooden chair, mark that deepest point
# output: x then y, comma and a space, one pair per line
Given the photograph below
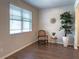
42, 37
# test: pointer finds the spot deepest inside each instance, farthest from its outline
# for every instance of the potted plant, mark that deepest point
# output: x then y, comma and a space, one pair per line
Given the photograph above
66, 25
54, 37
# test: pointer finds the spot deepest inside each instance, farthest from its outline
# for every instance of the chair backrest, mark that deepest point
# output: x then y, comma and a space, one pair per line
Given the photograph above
41, 33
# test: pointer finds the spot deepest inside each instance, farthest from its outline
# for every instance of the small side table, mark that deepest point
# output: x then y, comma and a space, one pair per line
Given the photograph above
54, 39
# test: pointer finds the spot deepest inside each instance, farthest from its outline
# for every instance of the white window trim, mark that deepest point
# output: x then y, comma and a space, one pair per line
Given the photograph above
30, 28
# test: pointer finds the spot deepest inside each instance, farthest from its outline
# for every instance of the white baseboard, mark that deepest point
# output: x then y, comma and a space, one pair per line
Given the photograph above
75, 48
59, 42
78, 45
18, 49
62, 43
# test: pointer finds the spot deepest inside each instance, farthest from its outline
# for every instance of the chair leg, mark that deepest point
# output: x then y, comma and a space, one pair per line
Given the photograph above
47, 42
38, 42
42, 42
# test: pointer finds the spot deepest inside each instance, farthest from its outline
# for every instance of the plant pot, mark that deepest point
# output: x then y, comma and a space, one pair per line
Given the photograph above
65, 41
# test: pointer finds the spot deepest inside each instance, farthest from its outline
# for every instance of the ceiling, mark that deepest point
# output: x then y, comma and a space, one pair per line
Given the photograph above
50, 3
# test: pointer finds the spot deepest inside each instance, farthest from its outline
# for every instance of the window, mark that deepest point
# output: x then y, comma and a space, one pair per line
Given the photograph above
20, 20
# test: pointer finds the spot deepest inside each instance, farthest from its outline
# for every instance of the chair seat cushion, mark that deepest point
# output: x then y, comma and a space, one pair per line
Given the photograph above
42, 38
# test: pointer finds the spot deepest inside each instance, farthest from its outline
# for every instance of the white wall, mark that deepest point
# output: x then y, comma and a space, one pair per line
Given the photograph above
76, 3
45, 16
10, 43
77, 24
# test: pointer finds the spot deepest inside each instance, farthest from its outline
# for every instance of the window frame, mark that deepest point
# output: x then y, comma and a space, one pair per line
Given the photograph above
21, 20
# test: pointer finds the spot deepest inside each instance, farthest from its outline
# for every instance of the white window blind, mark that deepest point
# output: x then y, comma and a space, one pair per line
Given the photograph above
20, 20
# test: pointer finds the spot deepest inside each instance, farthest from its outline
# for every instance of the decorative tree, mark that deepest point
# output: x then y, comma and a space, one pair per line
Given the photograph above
66, 22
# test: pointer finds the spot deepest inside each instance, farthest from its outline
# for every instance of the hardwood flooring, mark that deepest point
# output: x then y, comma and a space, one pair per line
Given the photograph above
52, 51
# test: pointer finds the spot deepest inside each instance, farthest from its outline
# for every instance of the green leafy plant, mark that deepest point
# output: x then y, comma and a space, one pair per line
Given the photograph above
66, 22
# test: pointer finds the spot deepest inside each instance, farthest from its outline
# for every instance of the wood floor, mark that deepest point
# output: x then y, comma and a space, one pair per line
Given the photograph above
52, 51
